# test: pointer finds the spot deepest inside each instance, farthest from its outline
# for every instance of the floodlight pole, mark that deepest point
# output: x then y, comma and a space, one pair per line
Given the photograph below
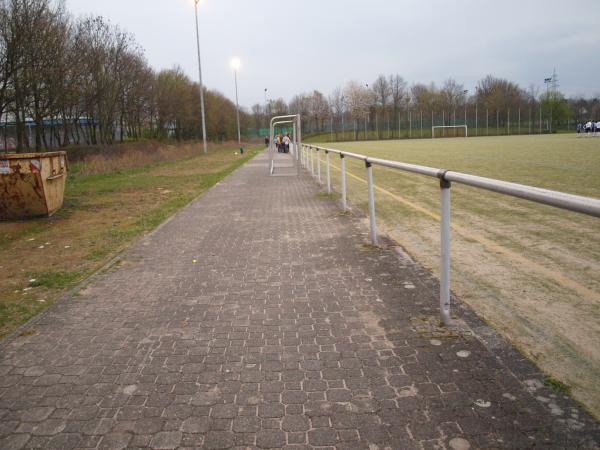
202, 112
331, 121
476, 111
266, 105
237, 109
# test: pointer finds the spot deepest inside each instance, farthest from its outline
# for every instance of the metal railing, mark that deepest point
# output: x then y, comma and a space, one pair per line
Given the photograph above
576, 203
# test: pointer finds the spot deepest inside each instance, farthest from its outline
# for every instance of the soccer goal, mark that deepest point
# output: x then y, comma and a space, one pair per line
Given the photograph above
449, 131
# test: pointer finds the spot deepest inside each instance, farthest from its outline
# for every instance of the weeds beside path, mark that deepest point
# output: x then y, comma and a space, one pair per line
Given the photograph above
40, 259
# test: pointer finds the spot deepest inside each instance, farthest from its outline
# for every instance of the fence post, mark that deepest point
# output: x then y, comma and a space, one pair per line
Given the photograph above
445, 249
344, 196
328, 173
371, 202
312, 161
299, 130
306, 158
318, 165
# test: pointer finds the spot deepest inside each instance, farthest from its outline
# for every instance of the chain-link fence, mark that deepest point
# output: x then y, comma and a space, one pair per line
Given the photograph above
416, 124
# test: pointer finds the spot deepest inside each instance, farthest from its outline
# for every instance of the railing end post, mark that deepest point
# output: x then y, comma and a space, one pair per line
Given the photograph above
445, 232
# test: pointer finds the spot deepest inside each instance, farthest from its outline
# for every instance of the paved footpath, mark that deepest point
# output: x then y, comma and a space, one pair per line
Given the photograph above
259, 318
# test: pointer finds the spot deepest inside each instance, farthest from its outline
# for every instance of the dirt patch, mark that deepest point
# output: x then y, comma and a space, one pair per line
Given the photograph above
372, 322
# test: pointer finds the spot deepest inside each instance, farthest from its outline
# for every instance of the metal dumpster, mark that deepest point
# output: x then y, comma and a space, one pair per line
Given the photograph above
31, 184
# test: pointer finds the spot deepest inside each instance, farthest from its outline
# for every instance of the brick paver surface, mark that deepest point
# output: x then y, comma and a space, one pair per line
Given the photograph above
259, 318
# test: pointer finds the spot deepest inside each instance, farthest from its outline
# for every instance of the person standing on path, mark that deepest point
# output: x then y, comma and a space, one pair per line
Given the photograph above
286, 144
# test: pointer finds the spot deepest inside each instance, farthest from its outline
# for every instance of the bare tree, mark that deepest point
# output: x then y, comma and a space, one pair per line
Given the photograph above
359, 100
279, 107
337, 103
301, 104
5, 57
319, 109
381, 88
398, 94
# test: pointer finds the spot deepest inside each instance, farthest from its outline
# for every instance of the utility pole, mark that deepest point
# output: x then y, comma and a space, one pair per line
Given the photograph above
202, 113
235, 65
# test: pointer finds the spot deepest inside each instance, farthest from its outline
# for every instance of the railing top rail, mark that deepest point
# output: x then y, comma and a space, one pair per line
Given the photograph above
571, 202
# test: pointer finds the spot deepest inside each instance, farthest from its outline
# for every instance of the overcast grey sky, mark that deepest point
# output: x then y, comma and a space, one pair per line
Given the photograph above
292, 46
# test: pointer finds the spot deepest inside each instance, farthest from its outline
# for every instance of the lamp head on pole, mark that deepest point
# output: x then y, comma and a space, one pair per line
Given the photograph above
235, 64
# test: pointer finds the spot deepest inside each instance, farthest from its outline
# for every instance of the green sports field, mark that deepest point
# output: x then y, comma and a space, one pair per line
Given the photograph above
531, 271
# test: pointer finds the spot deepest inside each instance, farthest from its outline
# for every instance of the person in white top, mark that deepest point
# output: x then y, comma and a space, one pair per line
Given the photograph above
286, 142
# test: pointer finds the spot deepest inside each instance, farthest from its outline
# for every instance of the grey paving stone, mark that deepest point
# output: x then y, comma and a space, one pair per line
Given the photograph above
286, 332
65, 441
322, 436
115, 441
195, 425
219, 440
246, 424
270, 439
14, 441
166, 440
36, 414
295, 423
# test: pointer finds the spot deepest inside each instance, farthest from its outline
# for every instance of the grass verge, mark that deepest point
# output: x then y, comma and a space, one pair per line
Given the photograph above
41, 259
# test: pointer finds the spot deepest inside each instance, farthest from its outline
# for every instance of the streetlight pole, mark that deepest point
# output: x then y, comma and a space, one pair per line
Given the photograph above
202, 112
266, 108
235, 64
466, 92
343, 127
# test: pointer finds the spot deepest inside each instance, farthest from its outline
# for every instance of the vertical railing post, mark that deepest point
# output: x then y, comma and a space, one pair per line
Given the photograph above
299, 130
371, 202
318, 165
344, 196
312, 161
294, 147
328, 172
445, 250
304, 157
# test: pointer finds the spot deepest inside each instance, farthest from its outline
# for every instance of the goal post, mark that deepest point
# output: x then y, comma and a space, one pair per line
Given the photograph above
449, 131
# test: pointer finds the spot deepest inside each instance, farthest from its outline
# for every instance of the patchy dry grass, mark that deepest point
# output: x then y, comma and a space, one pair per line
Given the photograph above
108, 203
134, 156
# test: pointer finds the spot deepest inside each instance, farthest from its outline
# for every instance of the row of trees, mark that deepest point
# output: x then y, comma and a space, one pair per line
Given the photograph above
391, 100
87, 81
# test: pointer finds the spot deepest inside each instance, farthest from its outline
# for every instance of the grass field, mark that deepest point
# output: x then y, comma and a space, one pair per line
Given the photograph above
531, 271
105, 210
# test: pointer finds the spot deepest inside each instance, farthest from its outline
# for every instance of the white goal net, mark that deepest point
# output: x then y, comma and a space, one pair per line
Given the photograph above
449, 131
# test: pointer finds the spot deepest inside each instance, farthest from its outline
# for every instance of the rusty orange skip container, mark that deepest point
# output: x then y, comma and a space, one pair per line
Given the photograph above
32, 184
